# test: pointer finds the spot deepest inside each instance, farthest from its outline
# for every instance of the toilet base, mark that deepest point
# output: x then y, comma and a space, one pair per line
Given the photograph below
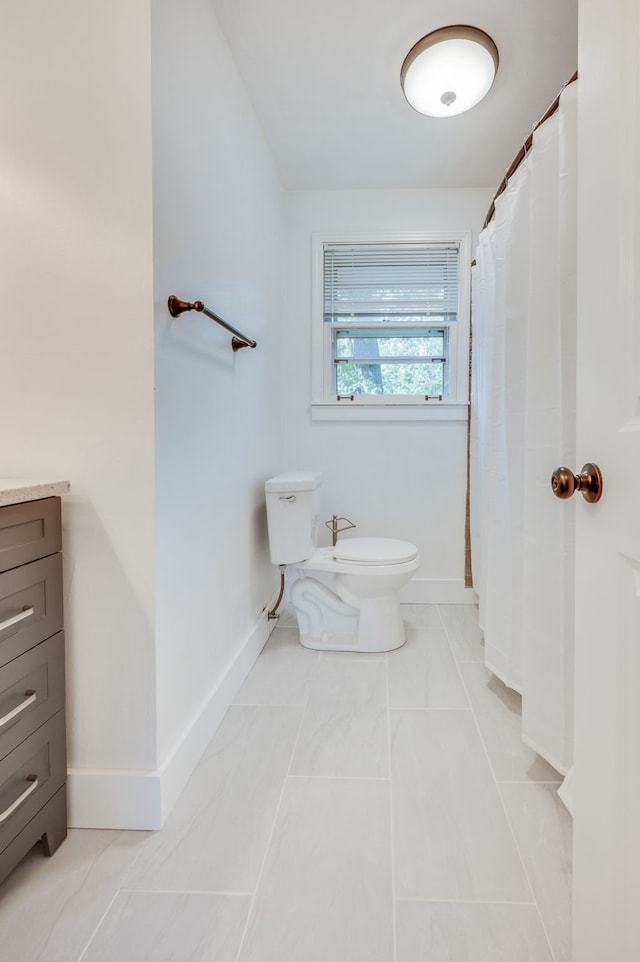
328, 623
344, 643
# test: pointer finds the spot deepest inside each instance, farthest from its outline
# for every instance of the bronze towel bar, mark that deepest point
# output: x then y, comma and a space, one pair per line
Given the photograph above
178, 307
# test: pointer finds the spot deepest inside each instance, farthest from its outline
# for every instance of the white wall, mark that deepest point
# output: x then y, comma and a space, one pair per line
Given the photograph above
394, 479
162, 620
217, 238
158, 638
76, 377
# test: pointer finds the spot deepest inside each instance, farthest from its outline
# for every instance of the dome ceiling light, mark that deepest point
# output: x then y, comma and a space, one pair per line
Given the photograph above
449, 71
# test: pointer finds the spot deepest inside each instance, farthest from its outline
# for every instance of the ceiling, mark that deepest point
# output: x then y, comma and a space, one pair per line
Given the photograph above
323, 76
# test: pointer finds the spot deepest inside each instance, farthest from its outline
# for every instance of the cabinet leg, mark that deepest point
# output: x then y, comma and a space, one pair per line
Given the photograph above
56, 822
49, 826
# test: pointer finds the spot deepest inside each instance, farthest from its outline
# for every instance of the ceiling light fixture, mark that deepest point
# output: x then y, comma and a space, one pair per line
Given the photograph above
449, 71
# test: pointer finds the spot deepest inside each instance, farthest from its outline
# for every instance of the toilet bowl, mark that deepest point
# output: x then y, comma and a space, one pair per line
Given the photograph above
345, 597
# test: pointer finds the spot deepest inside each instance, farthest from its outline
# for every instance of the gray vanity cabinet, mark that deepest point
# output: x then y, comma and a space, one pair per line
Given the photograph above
33, 764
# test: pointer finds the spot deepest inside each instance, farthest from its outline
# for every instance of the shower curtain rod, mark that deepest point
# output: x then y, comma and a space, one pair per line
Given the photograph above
178, 307
524, 150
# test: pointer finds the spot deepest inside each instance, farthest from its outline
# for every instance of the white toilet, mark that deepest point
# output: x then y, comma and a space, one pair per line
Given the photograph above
345, 597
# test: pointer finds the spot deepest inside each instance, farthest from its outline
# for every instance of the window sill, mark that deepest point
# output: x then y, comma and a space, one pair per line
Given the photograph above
396, 411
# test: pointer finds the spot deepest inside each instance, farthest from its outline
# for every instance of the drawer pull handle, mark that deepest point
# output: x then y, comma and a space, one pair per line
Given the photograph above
20, 799
16, 618
29, 698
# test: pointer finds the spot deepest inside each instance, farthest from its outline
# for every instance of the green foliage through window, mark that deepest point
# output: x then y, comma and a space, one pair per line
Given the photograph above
411, 361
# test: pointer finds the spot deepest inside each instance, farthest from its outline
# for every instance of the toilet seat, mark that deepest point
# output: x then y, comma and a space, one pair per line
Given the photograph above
374, 551
350, 602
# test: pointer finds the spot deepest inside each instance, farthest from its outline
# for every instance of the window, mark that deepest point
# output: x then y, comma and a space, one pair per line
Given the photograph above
390, 325
404, 361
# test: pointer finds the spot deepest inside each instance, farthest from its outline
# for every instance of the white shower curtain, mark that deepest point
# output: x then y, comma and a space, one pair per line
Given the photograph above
523, 426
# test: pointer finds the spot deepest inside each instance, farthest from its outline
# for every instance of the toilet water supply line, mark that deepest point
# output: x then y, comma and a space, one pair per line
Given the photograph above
271, 615
335, 531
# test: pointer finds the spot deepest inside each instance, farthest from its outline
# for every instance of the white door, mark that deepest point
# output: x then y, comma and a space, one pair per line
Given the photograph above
607, 734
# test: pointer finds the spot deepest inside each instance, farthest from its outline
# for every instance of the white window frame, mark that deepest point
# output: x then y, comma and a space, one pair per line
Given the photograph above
453, 406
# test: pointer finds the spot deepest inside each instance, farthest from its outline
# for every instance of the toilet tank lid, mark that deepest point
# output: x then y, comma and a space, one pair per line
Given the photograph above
294, 481
375, 551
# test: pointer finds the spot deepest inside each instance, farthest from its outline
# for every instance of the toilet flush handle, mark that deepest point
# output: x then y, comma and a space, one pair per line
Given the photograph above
289, 497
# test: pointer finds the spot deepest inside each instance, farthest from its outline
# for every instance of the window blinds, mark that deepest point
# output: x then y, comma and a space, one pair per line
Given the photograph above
394, 281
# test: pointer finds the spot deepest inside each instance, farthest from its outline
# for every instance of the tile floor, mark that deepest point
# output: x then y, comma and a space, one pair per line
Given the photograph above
351, 808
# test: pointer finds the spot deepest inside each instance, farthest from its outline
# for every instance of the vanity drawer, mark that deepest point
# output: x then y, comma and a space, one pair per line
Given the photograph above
29, 531
30, 775
30, 605
31, 691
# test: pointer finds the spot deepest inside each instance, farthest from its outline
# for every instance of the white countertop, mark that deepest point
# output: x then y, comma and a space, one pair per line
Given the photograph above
15, 490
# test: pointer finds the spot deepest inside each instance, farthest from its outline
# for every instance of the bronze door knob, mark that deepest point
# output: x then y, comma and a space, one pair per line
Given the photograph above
565, 483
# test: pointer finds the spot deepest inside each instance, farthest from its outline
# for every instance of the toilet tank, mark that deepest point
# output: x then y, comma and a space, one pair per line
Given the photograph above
291, 511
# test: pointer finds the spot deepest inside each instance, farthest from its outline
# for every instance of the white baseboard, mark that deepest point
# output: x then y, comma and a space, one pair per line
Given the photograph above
105, 798
437, 591
177, 768
143, 799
